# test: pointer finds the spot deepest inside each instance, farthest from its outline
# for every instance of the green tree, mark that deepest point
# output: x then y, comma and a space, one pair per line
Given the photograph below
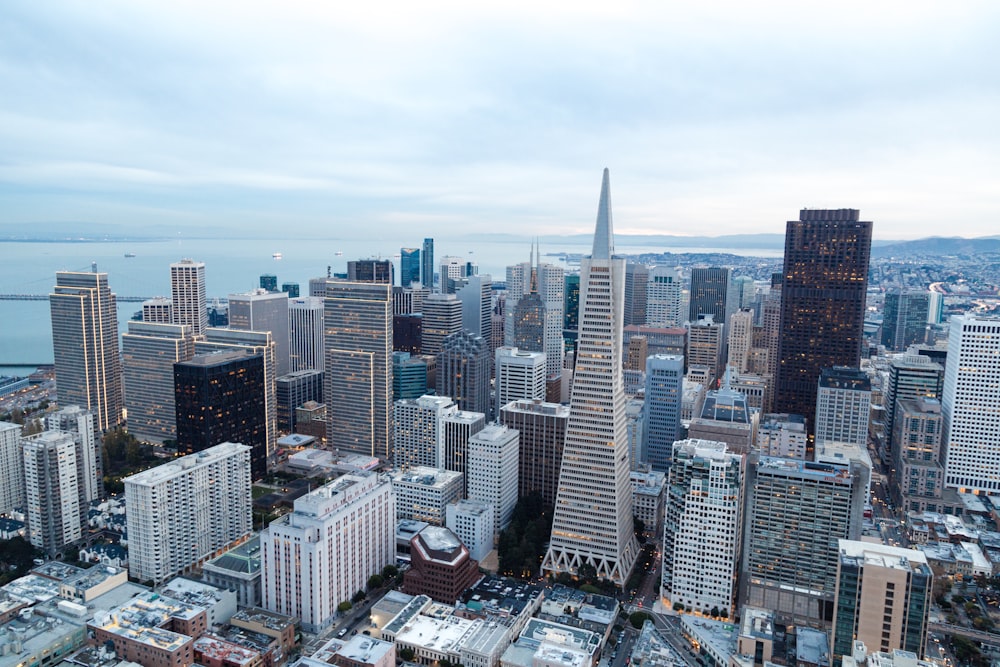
389, 571
406, 654
637, 618
678, 606
358, 597
714, 613
375, 581
344, 606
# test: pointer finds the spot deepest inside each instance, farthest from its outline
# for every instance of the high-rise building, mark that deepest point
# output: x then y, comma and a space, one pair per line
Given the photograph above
184, 512
409, 299
358, 368
592, 522
423, 493
52, 490
910, 376
409, 266
158, 309
543, 433
636, 279
744, 292
492, 471
220, 397
519, 374
149, 352
702, 527
918, 472
542, 289
472, 522
305, 333
476, 296
187, 289
726, 417
324, 552
407, 333
442, 318
843, 406
452, 269
796, 512
292, 391
527, 323
418, 431
783, 436
459, 427
409, 375
904, 320
711, 290
269, 282
260, 310
663, 298
571, 302
79, 423
11, 468
463, 371
427, 265
705, 346
883, 598
85, 345
822, 303
662, 409
250, 342
740, 340
291, 289
371, 271
971, 405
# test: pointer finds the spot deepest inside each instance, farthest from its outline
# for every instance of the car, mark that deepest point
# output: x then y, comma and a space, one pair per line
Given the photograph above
342, 633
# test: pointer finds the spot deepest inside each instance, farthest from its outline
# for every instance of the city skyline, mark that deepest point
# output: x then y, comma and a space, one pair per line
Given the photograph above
720, 119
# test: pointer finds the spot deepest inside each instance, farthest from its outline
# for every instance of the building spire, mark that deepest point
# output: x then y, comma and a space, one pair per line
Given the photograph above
534, 267
604, 246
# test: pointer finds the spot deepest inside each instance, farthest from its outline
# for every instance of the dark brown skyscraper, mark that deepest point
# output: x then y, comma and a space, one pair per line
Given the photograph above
822, 303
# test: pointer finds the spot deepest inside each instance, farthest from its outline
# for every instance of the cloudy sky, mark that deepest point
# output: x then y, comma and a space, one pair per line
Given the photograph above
353, 118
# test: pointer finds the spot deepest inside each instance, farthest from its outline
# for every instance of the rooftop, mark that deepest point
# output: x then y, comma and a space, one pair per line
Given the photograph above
184, 464
244, 559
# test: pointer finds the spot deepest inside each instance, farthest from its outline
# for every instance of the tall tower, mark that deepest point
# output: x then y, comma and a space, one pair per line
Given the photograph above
358, 345
822, 303
592, 521
261, 310
463, 371
149, 352
710, 293
905, 318
85, 344
409, 266
427, 264
664, 393
305, 333
663, 297
52, 490
843, 406
187, 288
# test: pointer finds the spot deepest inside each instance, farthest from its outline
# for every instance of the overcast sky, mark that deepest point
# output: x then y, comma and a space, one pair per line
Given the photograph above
353, 119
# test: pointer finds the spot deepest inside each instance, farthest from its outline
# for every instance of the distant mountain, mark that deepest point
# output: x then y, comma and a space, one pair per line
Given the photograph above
939, 245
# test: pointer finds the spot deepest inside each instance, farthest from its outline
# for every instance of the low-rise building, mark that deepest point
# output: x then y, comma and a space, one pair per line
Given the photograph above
239, 570
440, 566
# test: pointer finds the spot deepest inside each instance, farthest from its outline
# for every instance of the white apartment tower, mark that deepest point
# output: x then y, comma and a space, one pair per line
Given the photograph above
11, 468
187, 289
184, 512
305, 333
519, 374
52, 491
592, 521
322, 553
79, 423
971, 405
493, 470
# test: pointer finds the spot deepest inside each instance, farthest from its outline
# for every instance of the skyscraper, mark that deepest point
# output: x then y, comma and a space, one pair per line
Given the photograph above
910, 376
476, 296
79, 423
519, 374
261, 310
442, 317
305, 333
463, 371
492, 471
358, 346
592, 522
409, 266
149, 352
636, 278
662, 411
740, 340
843, 406
971, 404
427, 264
710, 294
534, 310
85, 345
706, 340
269, 282
187, 288
822, 303
370, 271
52, 490
11, 468
904, 320
543, 433
918, 473
418, 431
663, 297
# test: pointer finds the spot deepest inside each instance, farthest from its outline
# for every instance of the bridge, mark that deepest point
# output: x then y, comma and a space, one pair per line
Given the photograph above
991, 638
45, 297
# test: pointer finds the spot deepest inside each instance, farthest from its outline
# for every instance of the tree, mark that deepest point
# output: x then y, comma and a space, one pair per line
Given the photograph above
344, 606
714, 613
358, 597
637, 618
32, 427
406, 654
389, 571
678, 606
724, 614
375, 581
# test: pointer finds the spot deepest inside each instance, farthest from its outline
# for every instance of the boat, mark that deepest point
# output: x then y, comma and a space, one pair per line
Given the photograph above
276, 255
339, 253
129, 254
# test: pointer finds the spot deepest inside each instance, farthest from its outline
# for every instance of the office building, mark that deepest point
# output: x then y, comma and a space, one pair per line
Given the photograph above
571, 302
542, 428
184, 512
519, 374
843, 406
744, 292
418, 431
79, 423
294, 390
371, 271
261, 310
796, 512
158, 309
726, 417
358, 371
592, 522
305, 333
702, 527
740, 340
710, 294
659, 340
427, 264
822, 303
423, 493
904, 320
291, 289
149, 352
220, 397
409, 376
452, 269
85, 345
442, 318
542, 288
11, 468
409, 299
918, 478
663, 298
636, 279
527, 323
476, 296
459, 427
409, 266
883, 598
783, 436
911, 376
187, 290
250, 342
971, 405
463, 371
269, 282
408, 333
662, 409
492, 470
705, 346
326, 549
472, 523
52, 490
440, 566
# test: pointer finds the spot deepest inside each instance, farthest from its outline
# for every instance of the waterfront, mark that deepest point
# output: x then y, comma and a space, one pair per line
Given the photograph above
232, 265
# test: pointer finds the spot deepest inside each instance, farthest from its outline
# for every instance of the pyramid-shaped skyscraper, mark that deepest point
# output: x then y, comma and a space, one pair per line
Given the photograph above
592, 523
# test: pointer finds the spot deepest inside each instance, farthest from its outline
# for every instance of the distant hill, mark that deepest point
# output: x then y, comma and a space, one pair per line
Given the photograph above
938, 245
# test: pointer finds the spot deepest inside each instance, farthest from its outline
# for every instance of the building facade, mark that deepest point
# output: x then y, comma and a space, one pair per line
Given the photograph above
187, 291
149, 352
305, 333
493, 470
843, 406
662, 409
542, 428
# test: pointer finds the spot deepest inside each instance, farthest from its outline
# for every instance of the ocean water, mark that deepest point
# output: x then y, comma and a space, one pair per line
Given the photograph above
231, 265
